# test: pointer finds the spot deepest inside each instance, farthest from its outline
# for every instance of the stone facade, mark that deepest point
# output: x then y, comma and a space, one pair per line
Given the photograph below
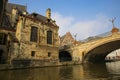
27, 36
38, 49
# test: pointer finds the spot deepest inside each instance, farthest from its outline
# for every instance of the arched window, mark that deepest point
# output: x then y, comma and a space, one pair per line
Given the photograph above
34, 32
49, 37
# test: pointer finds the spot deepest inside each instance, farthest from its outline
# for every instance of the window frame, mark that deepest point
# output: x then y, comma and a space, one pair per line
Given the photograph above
49, 37
34, 34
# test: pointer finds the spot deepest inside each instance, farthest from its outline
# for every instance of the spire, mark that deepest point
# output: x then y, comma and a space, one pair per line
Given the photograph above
113, 20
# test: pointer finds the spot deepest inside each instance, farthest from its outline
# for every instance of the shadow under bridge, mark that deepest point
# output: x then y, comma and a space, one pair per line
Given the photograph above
98, 54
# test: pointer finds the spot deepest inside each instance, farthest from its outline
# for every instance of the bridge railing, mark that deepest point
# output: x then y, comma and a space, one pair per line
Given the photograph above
93, 38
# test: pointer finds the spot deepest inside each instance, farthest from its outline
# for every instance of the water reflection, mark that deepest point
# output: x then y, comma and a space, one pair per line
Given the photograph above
65, 73
113, 67
96, 71
108, 71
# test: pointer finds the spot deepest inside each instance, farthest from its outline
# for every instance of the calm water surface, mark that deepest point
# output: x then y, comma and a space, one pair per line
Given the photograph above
108, 71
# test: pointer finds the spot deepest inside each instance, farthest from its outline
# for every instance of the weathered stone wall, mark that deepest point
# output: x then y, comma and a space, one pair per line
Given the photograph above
41, 48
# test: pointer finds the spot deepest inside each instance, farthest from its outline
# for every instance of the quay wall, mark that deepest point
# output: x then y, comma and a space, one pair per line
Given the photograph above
23, 64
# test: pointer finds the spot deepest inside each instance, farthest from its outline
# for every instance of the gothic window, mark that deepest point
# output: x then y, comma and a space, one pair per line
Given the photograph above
3, 38
34, 32
49, 37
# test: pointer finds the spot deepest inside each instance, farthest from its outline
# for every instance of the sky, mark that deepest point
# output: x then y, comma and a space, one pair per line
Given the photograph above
82, 17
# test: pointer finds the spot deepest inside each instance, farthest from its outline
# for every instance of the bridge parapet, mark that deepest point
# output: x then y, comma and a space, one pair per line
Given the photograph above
101, 40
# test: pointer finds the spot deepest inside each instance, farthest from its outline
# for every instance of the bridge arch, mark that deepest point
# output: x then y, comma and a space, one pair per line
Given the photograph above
65, 56
97, 52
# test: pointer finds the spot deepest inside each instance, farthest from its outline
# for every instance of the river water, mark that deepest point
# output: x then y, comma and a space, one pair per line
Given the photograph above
107, 71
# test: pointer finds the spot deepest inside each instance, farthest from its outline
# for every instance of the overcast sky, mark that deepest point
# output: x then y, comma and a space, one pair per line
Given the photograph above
84, 17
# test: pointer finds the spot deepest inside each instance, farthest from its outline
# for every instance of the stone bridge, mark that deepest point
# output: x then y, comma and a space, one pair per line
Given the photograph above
93, 51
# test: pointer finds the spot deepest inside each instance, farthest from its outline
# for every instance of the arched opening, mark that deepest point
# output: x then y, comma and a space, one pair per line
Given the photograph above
64, 56
113, 56
98, 54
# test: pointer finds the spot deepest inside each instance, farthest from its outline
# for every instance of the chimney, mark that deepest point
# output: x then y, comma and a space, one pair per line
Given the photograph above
48, 13
24, 12
14, 16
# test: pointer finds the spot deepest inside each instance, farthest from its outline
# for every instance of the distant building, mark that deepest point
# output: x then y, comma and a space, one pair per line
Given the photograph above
68, 39
27, 36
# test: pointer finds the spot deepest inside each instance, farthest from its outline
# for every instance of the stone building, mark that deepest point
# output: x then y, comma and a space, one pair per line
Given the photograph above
8, 29
26, 36
37, 36
68, 40
4, 33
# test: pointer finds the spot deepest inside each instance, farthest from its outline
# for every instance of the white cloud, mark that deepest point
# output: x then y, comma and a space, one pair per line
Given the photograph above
83, 29
62, 21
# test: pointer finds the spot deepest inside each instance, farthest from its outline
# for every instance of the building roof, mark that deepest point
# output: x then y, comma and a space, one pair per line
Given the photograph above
33, 16
7, 19
10, 6
64, 37
40, 18
67, 34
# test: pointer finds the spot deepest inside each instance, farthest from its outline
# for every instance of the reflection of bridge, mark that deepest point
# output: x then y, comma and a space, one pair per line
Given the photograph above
94, 51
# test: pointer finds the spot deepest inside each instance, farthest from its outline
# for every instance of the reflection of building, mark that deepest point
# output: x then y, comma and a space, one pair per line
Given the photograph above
113, 68
27, 36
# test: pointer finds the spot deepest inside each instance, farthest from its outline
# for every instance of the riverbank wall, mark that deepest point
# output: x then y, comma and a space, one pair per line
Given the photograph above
24, 64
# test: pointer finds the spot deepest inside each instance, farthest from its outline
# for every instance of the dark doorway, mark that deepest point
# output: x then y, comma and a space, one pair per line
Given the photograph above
1, 56
64, 56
